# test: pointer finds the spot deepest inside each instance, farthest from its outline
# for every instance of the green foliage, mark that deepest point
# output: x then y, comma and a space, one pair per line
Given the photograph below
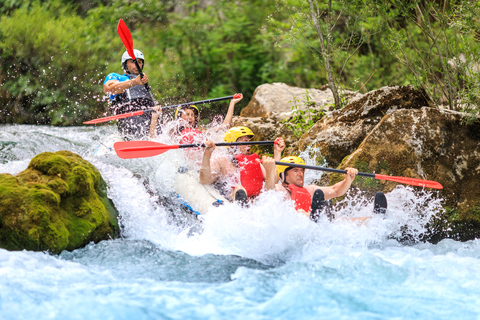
52, 65
302, 120
333, 31
437, 44
215, 51
56, 53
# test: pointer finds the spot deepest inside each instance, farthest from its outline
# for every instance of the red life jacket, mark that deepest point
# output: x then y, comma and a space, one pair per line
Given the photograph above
191, 136
301, 197
251, 175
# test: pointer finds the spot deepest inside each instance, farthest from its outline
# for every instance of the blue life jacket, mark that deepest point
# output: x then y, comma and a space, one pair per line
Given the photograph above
133, 99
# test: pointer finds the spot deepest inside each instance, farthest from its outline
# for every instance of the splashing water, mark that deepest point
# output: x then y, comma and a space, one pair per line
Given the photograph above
262, 262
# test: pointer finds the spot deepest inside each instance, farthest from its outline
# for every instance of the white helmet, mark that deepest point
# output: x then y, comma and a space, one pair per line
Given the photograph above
138, 55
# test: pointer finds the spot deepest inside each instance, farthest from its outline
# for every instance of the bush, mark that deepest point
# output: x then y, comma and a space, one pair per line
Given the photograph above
52, 65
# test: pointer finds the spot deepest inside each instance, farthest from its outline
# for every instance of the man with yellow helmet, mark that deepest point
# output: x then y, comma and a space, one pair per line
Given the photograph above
239, 175
311, 199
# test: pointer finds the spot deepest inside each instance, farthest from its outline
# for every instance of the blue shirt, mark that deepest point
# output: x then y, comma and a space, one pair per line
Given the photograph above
118, 77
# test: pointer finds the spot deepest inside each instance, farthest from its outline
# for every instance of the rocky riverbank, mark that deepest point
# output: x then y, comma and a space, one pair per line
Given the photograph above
394, 131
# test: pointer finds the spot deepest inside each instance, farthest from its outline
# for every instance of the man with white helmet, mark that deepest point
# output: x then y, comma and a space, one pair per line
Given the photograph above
311, 199
239, 175
128, 93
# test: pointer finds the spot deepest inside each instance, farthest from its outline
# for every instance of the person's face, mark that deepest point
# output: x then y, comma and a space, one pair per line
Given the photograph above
244, 149
295, 176
189, 116
132, 68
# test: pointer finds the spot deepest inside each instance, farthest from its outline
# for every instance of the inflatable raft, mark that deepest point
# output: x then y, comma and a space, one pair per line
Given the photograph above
195, 196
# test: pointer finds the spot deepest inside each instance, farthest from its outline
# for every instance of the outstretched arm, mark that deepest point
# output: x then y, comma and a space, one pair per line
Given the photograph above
338, 189
278, 148
228, 118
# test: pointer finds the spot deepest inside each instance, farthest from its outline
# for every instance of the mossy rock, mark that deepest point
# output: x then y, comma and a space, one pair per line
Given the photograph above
58, 203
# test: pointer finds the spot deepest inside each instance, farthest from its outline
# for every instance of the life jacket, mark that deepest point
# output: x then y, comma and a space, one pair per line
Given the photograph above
191, 136
133, 99
301, 197
128, 100
251, 175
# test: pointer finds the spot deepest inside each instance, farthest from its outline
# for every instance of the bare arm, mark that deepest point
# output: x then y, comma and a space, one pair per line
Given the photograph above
206, 175
278, 148
338, 189
117, 87
153, 124
270, 174
228, 118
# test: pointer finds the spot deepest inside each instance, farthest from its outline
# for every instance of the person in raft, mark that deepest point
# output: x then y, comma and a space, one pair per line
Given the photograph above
187, 127
128, 93
310, 200
190, 115
223, 171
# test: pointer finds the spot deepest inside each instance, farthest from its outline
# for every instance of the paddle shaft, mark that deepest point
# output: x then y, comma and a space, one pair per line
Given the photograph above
159, 146
404, 180
370, 175
223, 144
192, 103
140, 112
147, 86
127, 40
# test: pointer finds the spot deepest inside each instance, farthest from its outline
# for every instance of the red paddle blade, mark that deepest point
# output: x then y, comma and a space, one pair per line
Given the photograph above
140, 149
118, 116
126, 37
411, 181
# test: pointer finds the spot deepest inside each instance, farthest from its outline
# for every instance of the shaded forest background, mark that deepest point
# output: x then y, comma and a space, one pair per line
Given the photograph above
55, 55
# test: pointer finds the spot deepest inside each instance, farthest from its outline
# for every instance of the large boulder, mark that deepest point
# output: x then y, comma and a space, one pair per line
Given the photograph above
340, 132
431, 144
275, 100
58, 203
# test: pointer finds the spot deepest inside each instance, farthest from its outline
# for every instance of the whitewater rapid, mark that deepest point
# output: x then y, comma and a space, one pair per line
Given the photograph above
264, 262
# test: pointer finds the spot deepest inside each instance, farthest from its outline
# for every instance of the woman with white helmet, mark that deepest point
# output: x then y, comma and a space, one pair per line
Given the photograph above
128, 93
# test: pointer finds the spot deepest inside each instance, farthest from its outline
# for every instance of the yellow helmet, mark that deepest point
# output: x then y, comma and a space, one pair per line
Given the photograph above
291, 159
236, 132
192, 107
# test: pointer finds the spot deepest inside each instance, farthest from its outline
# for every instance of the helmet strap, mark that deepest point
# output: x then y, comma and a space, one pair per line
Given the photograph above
125, 68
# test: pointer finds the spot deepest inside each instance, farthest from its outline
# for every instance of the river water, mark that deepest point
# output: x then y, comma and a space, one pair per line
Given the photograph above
265, 262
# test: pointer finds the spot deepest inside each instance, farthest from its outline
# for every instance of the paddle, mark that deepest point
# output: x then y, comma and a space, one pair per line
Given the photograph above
140, 112
127, 40
144, 149
409, 181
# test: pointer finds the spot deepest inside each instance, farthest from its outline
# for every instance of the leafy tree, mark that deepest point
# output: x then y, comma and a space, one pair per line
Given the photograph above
333, 31
51, 65
436, 41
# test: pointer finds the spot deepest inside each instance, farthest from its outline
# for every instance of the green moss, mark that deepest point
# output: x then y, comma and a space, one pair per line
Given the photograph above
454, 223
58, 203
383, 167
50, 164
